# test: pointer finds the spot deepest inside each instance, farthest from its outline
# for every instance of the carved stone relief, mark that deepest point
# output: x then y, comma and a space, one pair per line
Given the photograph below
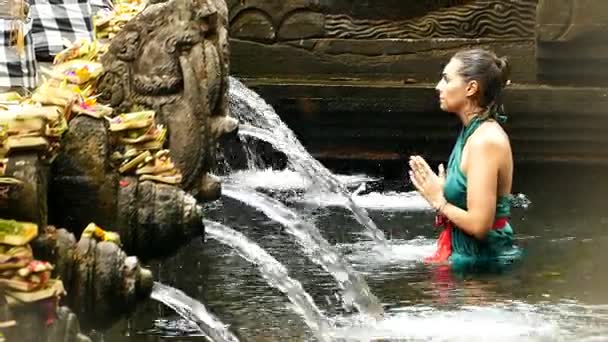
379, 40
173, 58
269, 21
479, 19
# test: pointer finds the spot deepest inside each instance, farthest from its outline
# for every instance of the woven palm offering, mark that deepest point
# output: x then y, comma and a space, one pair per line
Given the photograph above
25, 279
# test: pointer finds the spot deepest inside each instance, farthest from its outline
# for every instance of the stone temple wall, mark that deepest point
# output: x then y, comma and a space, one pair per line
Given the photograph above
355, 78
572, 42
392, 40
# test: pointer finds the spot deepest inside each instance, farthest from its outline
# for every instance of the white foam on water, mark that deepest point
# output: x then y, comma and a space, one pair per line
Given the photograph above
355, 180
286, 179
369, 257
270, 179
393, 201
283, 180
390, 201
514, 321
505, 321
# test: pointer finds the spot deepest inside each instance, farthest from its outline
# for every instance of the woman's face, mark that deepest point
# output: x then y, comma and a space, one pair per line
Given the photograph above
452, 88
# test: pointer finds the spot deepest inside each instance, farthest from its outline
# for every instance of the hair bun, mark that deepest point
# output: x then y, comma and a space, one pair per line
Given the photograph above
503, 65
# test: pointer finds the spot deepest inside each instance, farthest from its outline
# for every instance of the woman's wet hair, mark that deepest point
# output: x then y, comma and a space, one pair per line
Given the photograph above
490, 72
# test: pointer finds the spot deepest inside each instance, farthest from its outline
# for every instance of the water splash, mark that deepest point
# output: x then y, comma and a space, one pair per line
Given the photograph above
260, 121
269, 179
274, 272
192, 310
520, 201
472, 323
285, 180
373, 260
175, 328
387, 202
510, 320
355, 290
321, 177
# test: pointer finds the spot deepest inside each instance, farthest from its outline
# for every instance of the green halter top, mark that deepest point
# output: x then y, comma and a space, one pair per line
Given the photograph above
497, 248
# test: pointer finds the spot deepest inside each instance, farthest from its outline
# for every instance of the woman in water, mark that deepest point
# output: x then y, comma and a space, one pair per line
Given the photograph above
472, 198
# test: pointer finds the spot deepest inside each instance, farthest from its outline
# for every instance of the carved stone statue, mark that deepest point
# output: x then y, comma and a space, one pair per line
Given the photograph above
173, 58
103, 283
152, 219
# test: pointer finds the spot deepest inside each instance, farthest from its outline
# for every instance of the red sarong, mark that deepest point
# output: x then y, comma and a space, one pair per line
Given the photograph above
444, 242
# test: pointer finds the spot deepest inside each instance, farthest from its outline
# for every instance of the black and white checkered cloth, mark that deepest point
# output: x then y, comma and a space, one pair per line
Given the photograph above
58, 21
16, 70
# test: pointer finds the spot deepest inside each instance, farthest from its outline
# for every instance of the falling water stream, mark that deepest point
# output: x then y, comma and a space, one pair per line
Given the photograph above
260, 121
272, 270
275, 274
355, 290
193, 311
321, 177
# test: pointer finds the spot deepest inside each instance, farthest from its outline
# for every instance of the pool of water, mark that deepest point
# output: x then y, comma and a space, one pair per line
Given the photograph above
556, 294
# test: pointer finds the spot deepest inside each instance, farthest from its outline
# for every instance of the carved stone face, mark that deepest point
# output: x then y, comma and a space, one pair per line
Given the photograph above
180, 72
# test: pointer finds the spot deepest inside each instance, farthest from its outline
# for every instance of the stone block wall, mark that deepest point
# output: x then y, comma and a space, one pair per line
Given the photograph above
389, 40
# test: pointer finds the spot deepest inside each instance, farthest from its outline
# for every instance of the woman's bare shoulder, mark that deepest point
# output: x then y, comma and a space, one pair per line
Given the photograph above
489, 135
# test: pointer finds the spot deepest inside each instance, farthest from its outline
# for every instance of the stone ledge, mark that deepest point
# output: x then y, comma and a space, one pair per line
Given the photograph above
390, 96
380, 121
381, 59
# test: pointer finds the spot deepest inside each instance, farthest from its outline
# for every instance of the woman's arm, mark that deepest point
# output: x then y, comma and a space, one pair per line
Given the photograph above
483, 160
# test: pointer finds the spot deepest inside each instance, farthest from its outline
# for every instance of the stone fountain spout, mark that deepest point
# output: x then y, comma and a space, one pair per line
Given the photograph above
173, 58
